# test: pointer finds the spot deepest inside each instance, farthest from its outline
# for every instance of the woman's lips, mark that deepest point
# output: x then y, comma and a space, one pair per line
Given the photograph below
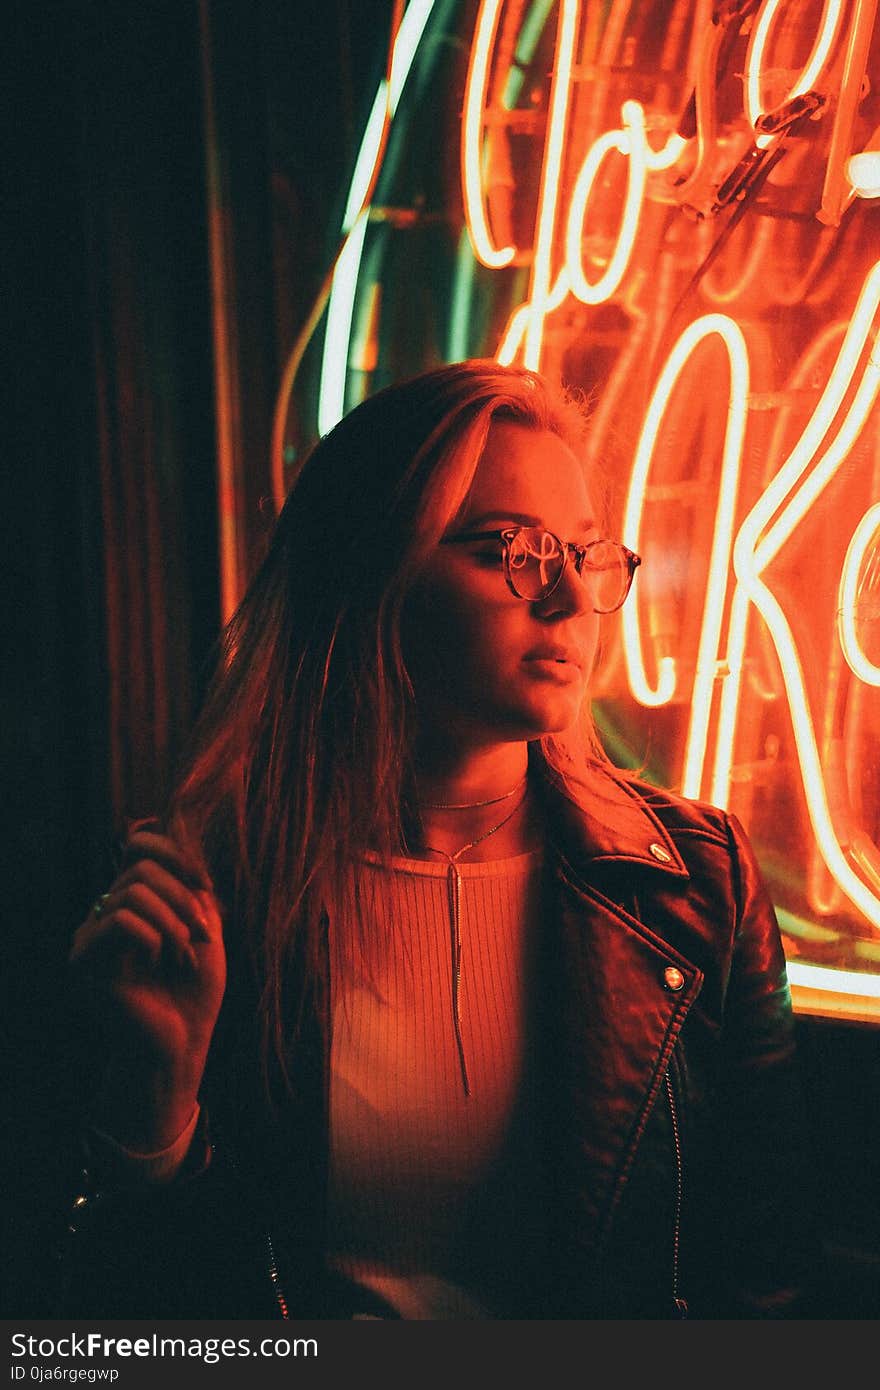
554, 663
568, 656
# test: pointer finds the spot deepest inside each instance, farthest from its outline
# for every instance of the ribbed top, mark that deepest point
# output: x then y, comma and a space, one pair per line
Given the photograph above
427, 1184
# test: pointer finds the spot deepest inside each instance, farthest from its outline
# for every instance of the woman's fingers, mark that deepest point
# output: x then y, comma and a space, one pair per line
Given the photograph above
120, 933
151, 952
160, 906
161, 849
149, 907
177, 923
150, 887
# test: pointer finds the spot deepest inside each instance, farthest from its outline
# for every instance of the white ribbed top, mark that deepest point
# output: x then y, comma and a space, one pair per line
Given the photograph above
427, 1184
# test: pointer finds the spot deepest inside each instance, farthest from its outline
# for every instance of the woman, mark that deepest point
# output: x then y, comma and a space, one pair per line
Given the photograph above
414, 1006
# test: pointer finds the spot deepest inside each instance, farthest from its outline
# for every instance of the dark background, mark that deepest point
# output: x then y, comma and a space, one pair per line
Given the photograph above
110, 560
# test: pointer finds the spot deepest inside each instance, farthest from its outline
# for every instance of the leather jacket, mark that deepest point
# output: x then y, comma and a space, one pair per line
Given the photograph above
673, 1105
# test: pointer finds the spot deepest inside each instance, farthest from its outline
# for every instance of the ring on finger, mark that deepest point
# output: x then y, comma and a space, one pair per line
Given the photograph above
99, 906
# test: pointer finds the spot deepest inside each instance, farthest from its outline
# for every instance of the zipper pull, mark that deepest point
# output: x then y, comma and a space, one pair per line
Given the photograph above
681, 1307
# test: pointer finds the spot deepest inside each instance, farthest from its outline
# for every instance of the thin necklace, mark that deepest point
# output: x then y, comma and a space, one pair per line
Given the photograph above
453, 886
472, 805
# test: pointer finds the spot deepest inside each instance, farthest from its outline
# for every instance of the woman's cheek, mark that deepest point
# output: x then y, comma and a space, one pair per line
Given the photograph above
455, 641
430, 631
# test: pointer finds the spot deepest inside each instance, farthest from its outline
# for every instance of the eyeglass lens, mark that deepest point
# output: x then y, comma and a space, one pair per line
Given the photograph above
535, 560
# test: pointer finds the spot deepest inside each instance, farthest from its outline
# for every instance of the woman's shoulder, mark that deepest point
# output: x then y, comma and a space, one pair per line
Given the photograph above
687, 815
611, 815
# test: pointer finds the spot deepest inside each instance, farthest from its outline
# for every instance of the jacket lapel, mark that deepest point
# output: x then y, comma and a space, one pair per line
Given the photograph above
619, 992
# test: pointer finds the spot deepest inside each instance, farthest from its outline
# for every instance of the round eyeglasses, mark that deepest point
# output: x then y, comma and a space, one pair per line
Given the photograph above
535, 560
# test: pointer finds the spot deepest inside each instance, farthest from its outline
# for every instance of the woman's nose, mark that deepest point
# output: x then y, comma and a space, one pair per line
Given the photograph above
572, 595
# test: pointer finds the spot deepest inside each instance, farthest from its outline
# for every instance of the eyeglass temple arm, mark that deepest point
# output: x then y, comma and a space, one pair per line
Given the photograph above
472, 536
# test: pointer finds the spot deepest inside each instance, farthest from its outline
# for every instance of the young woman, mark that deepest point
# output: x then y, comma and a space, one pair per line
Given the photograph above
412, 1005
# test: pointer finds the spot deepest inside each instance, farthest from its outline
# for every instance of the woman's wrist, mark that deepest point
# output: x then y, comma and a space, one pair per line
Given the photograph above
155, 1165
145, 1109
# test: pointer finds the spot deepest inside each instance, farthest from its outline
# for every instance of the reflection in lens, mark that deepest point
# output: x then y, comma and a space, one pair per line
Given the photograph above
535, 561
607, 572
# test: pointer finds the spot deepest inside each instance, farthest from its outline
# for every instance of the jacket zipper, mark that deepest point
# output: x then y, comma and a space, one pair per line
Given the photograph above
274, 1276
680, 1303
276, 1280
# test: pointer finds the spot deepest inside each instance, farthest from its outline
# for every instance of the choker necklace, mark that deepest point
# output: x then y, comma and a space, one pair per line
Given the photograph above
472, 805
453, 884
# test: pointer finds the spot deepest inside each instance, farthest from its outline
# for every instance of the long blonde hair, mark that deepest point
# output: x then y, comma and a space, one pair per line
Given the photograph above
301, 756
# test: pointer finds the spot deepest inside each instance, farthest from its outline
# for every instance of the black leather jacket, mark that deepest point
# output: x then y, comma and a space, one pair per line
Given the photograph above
673, 1118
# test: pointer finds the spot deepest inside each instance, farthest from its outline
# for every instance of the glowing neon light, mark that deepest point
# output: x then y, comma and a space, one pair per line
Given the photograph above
863, 172
755, 263
705, 676
835, 981
632, 143
774, 495
750, 558
700, 180
831, 15
463, 284
517, 325
513, 335
807, 471
849, 598
832, 397
531, 31
471, 127
809, 758
525, 332
835, 197
751, 553
331, 396
559, 92
668, 155
384, 105
365, 164
337, 335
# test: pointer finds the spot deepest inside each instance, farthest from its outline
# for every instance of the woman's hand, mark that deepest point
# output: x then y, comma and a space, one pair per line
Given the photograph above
150, 958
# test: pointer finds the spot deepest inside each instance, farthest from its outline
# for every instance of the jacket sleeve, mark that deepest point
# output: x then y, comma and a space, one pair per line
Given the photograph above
188, 1247
768, 1199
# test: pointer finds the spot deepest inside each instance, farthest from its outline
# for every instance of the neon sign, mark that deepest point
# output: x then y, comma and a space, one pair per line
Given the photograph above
704, 221
631, 143
794, 491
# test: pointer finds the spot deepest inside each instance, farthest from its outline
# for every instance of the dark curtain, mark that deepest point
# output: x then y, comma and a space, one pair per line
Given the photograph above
166, 226
111, 595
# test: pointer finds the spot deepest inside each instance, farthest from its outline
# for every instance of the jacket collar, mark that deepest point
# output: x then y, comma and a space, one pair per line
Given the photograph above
605, 818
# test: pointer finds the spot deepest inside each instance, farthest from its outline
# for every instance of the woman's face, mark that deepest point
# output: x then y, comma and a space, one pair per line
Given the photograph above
486, 665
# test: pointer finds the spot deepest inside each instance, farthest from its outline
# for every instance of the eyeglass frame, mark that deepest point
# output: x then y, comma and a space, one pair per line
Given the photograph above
507, 535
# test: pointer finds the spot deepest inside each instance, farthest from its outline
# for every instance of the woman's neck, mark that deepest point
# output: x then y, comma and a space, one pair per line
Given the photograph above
465, 779
475, 806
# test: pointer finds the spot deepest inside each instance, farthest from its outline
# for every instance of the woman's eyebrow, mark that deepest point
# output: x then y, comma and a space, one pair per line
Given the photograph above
473, 523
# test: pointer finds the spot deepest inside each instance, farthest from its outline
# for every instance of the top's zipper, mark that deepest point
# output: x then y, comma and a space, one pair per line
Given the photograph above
454, 889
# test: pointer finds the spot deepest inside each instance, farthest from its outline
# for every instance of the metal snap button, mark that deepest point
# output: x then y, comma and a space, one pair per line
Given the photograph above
660, 853
673, 978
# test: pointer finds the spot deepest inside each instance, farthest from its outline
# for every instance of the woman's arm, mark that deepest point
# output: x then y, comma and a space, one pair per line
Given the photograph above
149, 970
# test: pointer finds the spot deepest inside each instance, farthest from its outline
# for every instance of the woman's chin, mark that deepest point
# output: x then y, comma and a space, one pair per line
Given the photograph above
552, 716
